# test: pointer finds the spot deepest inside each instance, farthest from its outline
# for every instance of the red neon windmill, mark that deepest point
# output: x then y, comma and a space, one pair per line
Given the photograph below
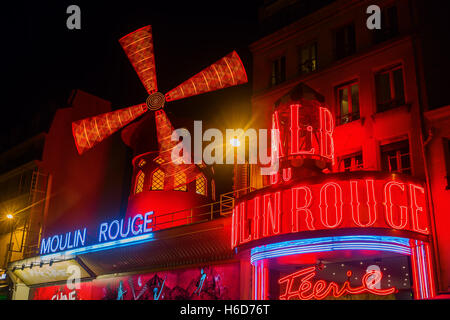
138, 46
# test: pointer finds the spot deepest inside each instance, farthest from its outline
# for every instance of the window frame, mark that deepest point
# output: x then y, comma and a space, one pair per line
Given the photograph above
181, 187
138, 180
396, 146
338, 108
346, 52
274, 80
163, 179
354, 167
386, 32
205, 184
308, 45
394, 102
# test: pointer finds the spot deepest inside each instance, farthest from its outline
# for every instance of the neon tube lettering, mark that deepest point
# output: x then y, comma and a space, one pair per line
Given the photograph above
326, 133
295, 131
355, 203
276, 126
338, 203
415, 209
244, 227
389, 205
308, 290
296, 209
272, 212
256, 218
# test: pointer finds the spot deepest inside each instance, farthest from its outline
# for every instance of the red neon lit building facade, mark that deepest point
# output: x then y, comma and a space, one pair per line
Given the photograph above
374, 130
354, 212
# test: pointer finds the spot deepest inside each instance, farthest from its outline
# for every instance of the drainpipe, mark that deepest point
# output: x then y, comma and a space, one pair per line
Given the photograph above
423, 144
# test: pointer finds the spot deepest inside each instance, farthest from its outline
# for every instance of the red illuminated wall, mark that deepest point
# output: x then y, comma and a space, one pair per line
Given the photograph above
438, 154
221, 282
374, 128
85, 189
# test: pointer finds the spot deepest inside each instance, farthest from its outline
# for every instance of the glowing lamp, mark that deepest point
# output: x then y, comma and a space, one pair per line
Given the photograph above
9, 216
235, 142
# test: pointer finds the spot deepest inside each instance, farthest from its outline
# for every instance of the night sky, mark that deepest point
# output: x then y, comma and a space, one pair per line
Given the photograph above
43, 60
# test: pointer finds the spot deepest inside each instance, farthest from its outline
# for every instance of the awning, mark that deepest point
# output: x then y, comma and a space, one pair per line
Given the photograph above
204, 242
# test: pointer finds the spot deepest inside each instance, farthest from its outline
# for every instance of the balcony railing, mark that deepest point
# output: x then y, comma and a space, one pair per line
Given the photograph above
203, 213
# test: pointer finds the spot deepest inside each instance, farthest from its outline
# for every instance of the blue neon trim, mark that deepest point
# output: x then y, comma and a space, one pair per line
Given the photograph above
380, 243
104, 246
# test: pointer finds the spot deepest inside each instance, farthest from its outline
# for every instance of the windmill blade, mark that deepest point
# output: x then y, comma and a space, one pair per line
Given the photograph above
138, 46
90, 131
228, 71
164, 131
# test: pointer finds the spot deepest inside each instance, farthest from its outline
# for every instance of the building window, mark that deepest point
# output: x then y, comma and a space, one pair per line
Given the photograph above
142, 163
159, 160
158, 180
395, 157
351, 163
345, 42
139, 184
389, 88
278, 74
180, 182
389, 25
307, 58
347, 103
200, 185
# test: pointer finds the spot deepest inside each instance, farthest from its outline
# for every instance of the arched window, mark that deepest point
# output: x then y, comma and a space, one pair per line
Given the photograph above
142, 163
158, 180
200, 185
139, 184
179, 181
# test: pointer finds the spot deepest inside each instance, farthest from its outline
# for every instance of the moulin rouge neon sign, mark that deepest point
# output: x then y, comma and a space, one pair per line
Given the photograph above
306, 289
341, 201
306, 131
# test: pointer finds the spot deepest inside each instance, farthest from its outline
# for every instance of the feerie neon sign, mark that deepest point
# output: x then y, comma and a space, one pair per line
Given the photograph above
331, 204
306, 289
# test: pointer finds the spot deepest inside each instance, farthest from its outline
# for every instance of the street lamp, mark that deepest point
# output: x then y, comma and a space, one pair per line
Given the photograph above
9, 216
235, 142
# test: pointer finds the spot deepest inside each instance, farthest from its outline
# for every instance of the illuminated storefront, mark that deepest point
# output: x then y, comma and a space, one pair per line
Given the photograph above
312, 234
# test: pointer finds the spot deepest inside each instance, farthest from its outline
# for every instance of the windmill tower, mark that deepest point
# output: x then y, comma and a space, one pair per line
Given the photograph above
158, 184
